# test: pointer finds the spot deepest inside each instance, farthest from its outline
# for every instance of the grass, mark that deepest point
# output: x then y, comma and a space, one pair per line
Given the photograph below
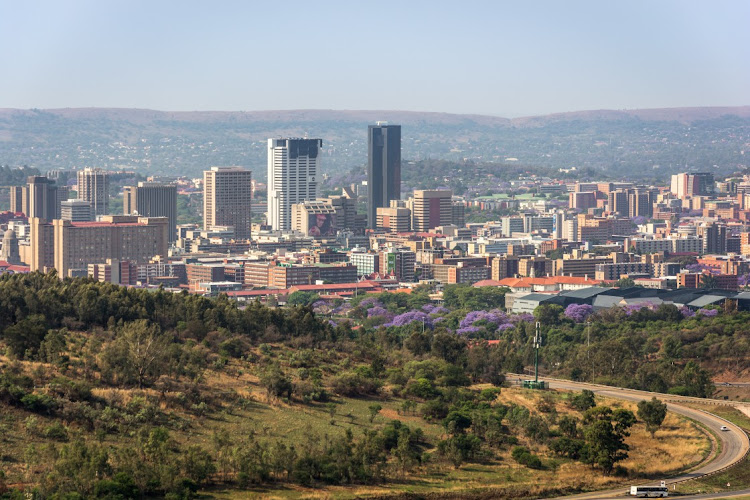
678, 445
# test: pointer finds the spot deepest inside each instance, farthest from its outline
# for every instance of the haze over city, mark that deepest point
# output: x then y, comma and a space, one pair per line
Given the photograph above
498, 58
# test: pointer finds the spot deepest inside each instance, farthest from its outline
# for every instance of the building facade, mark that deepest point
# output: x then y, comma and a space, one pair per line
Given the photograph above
227, 195
383, 168
152, 199
93, 186
292, 177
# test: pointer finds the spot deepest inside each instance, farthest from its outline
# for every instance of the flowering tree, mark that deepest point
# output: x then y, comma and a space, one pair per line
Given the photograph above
410, 317
370, 302
433, 309
709, 313
578, 312
379, 311
687, 312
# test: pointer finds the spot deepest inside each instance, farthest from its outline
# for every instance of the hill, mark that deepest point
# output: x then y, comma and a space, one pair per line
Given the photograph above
641, 142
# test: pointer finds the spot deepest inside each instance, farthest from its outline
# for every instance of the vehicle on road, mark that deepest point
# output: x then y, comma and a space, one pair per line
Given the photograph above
650, 491
724, 428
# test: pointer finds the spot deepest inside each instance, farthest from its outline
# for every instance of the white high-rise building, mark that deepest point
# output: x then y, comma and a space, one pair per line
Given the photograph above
227, 195
292, 177
93, 186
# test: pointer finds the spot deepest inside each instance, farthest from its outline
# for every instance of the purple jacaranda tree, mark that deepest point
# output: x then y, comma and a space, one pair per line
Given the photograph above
378, 311
709, 313
433, 309
579, 312
520, 318
687, 312
410, 317
370, 302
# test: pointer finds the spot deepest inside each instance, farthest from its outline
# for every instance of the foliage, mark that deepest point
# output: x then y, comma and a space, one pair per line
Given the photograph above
652, 413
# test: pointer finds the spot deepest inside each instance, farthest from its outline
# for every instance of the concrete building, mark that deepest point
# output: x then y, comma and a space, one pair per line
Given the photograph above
227, 195
395, 219
10, 252
72, 246
314, 218
152, 199
292, 177
19, 199
42, 198
76, 211
93, 186
431, 208
383, 168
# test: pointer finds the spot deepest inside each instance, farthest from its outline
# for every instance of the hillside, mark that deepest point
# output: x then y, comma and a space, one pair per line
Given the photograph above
641, 142
115, 393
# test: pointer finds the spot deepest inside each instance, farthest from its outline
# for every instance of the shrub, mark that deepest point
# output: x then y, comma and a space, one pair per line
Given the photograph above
353, 384
56, 431
523, 456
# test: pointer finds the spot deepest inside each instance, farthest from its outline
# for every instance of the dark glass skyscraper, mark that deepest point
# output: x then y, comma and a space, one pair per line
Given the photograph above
383, 168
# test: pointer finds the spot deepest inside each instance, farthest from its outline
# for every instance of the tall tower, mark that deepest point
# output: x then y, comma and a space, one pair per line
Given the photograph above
152, 199
292, 177
93, 186
383, 168
227, 195
44, 198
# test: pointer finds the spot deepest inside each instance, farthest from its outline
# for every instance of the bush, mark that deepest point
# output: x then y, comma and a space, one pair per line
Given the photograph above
422, 388
523, 456
39, 403
56, 431
353, 384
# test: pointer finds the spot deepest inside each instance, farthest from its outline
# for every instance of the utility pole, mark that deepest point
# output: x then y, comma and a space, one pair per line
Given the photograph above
537, 345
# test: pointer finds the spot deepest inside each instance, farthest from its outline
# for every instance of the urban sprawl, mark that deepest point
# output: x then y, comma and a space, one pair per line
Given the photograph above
607, 244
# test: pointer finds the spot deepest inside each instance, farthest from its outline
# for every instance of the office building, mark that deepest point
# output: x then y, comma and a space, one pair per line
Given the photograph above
431, 208
292, 177
76, 211
227, 194
152, 199
316, 219
383, 168
41, 198
72, 246
396, 218
19, 201
93, 186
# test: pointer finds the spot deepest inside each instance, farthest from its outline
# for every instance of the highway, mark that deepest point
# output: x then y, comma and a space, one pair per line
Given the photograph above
734, 444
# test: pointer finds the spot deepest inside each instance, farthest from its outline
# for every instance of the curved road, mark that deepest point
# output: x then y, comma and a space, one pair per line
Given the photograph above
734, 444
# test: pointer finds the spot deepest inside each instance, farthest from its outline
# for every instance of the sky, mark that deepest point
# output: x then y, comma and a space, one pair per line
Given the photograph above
504, 58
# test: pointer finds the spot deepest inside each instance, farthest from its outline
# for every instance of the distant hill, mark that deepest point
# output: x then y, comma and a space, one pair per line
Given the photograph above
634, 142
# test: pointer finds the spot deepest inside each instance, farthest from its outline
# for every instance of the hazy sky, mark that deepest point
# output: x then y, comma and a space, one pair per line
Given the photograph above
507, 58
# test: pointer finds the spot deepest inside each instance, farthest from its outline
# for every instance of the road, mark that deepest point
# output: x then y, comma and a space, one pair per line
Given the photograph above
734, 444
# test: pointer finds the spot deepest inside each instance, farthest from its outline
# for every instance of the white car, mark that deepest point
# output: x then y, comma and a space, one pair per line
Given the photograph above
724, 428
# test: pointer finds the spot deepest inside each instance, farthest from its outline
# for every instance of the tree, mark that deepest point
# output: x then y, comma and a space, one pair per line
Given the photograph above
301, 298
548, 314
605, 432
138, 355
374, 409
652, 413
276, 383
708, 281
583, 401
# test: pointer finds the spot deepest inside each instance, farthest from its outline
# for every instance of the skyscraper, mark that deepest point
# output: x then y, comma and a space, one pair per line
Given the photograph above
44, 198
227, 195
152, 199
292, 177
431, 208
383, 168
93, 186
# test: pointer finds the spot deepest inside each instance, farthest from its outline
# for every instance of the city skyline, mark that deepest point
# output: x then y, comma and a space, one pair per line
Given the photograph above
495, 58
